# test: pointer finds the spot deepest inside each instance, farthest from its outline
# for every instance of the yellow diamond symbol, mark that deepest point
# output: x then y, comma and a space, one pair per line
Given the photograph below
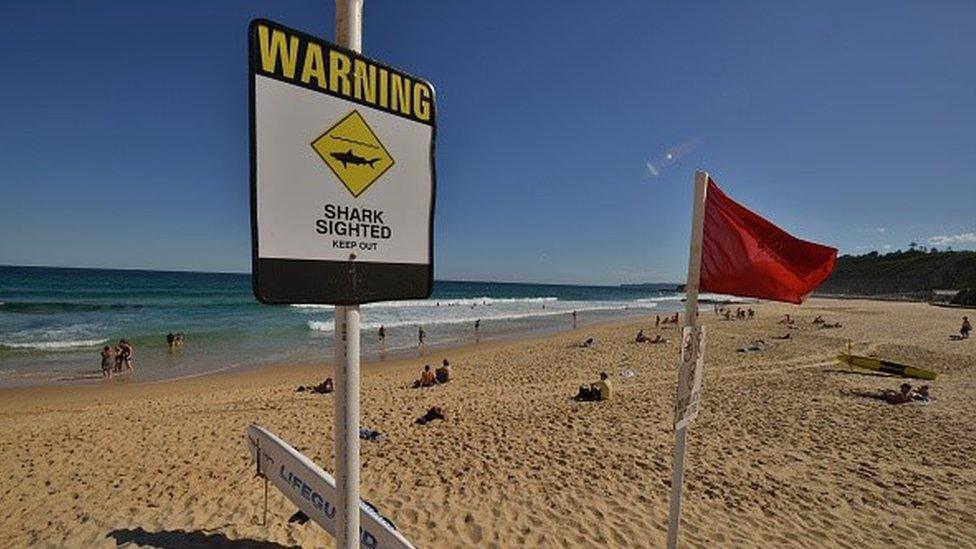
353, 152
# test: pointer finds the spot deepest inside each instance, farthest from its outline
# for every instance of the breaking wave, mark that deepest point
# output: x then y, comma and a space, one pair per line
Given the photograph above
54, 345
462, 302
328, 326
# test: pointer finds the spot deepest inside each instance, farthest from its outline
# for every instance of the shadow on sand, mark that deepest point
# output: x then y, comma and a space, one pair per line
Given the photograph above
857, 373
168, 539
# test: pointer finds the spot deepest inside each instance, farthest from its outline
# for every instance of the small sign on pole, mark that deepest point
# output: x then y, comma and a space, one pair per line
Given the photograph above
342, 173
689, 375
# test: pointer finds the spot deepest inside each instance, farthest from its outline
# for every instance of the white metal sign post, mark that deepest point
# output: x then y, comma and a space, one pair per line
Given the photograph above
349, 33
692, 353
342, 198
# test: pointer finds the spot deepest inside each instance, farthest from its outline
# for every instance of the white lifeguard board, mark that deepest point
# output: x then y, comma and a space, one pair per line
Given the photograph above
313, 490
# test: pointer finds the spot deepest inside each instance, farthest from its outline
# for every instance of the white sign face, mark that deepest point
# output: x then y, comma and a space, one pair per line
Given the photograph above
342, 173
690, 375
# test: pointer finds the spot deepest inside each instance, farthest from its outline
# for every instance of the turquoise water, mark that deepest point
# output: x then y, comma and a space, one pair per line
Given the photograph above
53, 322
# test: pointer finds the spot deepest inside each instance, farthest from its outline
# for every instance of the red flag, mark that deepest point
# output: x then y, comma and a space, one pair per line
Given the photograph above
745, 255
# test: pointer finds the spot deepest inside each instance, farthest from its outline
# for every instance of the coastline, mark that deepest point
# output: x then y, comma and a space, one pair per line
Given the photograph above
305, 373
784, 452
54, 322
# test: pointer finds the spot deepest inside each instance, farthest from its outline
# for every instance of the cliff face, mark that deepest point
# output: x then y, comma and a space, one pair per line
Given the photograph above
911, 273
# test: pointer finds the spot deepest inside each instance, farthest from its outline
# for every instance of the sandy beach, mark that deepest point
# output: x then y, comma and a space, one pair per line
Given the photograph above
783, 452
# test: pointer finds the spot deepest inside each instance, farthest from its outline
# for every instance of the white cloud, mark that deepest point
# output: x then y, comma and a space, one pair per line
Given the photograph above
948, 240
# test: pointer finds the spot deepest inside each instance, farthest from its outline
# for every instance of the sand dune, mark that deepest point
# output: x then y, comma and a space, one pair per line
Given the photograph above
783, 453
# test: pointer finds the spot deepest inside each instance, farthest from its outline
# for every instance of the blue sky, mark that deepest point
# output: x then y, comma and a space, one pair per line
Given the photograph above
124, 137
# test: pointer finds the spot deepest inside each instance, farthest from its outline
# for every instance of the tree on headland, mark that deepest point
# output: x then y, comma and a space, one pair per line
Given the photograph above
902, 273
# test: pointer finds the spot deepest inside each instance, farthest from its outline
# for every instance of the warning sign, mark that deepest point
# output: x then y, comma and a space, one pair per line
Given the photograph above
354, 153
690, 375
342, 173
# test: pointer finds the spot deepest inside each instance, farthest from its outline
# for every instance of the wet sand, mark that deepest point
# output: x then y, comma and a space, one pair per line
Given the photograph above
783, 454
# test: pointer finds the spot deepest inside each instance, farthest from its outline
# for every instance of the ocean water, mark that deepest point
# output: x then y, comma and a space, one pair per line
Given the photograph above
53, 322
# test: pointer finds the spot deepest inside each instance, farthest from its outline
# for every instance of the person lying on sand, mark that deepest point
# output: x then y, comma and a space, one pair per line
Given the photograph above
786, 320
755, 346
833, 325
323, 388
818, 320
435, 412
787, 336
658, 339
427, 378
443, 374
904, 395
601, 390
588, 343
901, 397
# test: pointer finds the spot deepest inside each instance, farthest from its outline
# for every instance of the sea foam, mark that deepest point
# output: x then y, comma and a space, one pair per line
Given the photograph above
55, 345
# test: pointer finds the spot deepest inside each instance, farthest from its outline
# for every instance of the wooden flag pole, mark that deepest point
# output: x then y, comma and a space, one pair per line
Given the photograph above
691, 320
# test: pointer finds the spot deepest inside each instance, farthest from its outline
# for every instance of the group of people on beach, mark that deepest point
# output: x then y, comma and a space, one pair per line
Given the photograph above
429, 378
740, 313
117, 359
642, 338
175, 340
422, 334
672, 319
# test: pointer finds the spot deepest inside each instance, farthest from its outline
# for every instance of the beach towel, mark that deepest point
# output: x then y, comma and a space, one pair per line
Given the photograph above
369, 434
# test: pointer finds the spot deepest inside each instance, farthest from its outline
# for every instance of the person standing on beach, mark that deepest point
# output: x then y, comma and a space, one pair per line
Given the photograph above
966, 328
477, 326
108, 361
118, 356
382, 333
574, 320
420, 337
126, 355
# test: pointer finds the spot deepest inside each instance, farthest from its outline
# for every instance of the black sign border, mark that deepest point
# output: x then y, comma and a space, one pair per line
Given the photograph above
288, 281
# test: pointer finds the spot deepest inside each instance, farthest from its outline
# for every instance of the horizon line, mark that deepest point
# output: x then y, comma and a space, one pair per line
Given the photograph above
248, 273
